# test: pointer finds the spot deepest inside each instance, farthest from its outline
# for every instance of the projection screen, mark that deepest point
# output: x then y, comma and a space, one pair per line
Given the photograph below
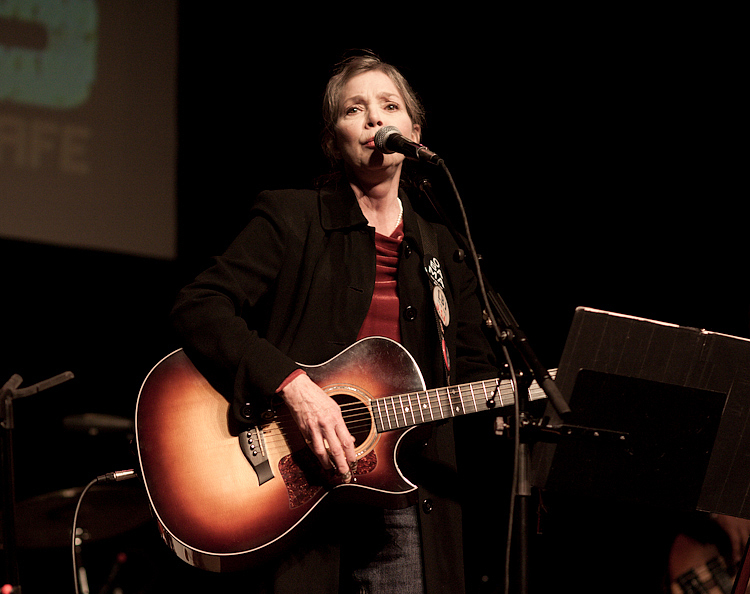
87, 124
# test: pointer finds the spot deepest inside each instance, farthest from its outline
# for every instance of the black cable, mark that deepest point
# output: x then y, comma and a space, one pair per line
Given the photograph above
516, 466
76, 577
516, 399
119, 475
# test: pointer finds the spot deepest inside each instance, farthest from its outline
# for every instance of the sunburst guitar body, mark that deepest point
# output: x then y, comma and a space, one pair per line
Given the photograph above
227, 496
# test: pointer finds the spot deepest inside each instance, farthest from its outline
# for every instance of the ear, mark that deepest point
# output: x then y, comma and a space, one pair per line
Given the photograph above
416, 132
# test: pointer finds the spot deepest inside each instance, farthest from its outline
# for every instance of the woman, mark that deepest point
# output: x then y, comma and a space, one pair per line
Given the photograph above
313, 272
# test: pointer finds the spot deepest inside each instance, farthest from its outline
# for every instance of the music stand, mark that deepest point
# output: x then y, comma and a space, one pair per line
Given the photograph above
683, 397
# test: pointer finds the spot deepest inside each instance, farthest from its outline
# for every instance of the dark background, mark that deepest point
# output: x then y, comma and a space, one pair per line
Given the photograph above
597, 162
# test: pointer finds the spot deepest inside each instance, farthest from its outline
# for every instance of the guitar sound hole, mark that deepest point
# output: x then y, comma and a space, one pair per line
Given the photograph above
357, 417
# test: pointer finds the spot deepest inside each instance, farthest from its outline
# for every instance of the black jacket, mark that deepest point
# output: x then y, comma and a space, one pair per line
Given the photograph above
295, 286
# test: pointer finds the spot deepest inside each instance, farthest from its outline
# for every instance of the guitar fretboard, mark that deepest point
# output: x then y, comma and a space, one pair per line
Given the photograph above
415, 408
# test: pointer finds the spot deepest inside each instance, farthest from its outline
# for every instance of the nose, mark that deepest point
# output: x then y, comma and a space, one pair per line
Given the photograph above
373, 119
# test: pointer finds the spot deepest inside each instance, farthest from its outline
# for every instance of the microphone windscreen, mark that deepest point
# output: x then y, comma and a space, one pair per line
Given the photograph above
381, 138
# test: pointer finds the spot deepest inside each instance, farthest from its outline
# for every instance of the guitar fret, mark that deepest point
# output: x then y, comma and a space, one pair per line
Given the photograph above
482, 395
464, 400
393, 412
458, 406
495, 394
429, 405
474, 395
486, 394
411, 409
440, 404
380, 415
509, 392
449, 401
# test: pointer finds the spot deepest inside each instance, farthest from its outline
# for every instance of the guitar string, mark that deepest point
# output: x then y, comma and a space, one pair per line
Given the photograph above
364, 418
286, 430
404, 404
396, 409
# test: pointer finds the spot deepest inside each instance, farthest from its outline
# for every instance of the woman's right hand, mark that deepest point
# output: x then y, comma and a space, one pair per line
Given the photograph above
322, 424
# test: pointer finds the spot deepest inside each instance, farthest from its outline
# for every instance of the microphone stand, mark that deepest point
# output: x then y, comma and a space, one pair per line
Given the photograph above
507, 332
8, 394
525, 430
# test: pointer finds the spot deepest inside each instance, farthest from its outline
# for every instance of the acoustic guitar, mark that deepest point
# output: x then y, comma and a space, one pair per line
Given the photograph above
227, 496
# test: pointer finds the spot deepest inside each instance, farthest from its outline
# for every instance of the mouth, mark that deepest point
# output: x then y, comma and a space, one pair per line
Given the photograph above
370, 143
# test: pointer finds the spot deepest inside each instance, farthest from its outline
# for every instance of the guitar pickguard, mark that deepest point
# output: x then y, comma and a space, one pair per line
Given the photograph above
305, 478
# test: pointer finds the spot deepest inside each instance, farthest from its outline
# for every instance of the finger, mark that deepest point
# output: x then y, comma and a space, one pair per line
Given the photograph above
345, 470
319, 447
347, 443
337, 455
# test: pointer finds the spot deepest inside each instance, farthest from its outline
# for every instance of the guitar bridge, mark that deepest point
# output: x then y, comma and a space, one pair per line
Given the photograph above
253, 445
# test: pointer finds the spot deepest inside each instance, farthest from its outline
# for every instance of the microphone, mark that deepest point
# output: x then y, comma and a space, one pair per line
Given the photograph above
390, 140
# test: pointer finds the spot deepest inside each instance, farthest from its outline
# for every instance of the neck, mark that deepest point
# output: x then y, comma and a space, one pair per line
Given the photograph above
379, 202
376, 188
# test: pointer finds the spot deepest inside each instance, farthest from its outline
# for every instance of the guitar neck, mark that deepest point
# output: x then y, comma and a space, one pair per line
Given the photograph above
416, 408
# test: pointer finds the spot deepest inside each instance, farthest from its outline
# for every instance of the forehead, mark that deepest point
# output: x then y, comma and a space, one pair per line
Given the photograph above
371, 83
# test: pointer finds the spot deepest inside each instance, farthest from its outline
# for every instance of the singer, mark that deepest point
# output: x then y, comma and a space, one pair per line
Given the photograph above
313, 272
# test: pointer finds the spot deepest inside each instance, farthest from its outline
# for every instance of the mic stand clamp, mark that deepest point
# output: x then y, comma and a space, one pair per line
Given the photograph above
542, 431
9, 393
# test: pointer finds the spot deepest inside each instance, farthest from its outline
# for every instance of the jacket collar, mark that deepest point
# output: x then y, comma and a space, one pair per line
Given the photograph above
339, 209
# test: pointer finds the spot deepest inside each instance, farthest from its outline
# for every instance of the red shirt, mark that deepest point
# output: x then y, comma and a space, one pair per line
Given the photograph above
383, 316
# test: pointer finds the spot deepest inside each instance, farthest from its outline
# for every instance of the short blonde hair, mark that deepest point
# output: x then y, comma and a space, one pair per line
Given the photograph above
344, 72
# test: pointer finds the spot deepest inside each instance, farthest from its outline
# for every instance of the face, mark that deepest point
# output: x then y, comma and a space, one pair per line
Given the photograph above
369, 102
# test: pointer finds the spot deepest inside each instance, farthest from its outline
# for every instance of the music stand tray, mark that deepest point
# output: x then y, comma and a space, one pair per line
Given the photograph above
682, 396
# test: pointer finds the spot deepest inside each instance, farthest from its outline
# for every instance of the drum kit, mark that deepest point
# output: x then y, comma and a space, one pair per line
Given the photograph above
41, 526
44, 521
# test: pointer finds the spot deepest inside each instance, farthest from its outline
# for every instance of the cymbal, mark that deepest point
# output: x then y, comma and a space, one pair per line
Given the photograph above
106, 511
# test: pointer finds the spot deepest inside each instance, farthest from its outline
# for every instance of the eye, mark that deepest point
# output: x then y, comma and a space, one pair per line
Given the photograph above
351, 110
392, 107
